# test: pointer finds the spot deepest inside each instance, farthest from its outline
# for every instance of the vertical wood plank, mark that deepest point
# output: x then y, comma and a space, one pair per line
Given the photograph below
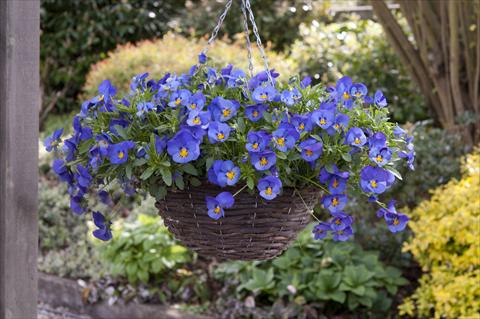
19, 105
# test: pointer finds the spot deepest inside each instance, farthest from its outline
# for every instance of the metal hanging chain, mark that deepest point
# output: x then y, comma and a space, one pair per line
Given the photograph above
259, 41
247, 38
218, 26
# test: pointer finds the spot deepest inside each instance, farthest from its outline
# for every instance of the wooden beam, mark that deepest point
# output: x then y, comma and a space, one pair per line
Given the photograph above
19, 104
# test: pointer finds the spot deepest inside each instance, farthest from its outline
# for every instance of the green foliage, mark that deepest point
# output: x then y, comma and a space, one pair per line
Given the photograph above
359, 48
446, 245
172, 53
78, 33
332, 276
144, 250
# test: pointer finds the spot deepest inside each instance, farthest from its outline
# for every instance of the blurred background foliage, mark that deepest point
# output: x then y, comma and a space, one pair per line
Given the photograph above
85, 41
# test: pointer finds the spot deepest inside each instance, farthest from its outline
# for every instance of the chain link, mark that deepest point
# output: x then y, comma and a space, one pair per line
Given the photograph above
218, 26
259, 40
247, 38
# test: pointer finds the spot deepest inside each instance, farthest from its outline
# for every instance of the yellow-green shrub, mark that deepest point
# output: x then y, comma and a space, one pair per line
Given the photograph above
446, 243
173, 53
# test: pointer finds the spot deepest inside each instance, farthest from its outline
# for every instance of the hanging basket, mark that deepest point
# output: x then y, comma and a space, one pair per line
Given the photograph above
254, 229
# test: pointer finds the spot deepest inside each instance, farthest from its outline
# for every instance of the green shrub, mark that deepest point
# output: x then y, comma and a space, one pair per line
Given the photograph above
77, 33
446, 244
173, 53
331, 276
144, 250
358, 48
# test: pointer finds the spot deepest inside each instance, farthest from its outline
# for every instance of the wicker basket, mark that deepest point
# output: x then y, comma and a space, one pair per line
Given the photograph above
253, 229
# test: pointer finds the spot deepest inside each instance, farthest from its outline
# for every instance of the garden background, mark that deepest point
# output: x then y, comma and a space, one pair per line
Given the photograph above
431, 270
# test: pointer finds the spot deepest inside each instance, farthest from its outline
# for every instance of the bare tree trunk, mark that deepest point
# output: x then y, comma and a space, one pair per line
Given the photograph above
443, 58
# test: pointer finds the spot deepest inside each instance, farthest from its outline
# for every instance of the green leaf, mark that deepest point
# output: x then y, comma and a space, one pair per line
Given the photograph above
179, 182
121, 131
394, 172
190, 169
147, 173
250, 182
347, 157
195, 181
241, 124
166, 176
282, 155
128, 171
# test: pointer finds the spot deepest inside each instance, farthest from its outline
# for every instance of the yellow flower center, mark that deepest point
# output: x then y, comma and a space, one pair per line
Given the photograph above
183, 152
395, 221
217, 210
319, 231
358, 94
193, 106
281, 141
323, 122
357, 140
335, 183
263, 96
340, 232
255, 146
121, 154
335, 202
379, 158
337, 222
301, 127
268, 191
220, 136
196, 120
178, 101
309, 152
373, 183
255, 113
346, 96
230, 175
336, 126
263, 161
226, 112
101, 98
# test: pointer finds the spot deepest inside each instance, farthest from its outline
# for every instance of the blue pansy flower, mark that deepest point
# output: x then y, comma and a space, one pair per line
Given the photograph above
358, 90
77, 204
160, 144
342, 91
409, 156
375, 179
311, 149
121, 122
261, 77
269, 187
196, 102
321, 230
236, 78
285, 137
355, 137
301, 122
216, 205
202, 58
263, 160
377, 140
196, 131
107, 91
343, 234
324, 117
264, 93
118, 153
257, 141
255, 112
199, 118
70, 147
82, 132
290, 97
224, 173
104, 197
340, 124
340, 221
379, 99
52, 142
83, 177
396, 221
380, 155
336, 180
138, 81
222, 109
103, 232
183, 147
60, 168
334, 203
180, 97
218, 132
306, 81
398, 131
144, 107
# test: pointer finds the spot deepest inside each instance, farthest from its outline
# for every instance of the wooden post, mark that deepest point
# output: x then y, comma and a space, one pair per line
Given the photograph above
19, 105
